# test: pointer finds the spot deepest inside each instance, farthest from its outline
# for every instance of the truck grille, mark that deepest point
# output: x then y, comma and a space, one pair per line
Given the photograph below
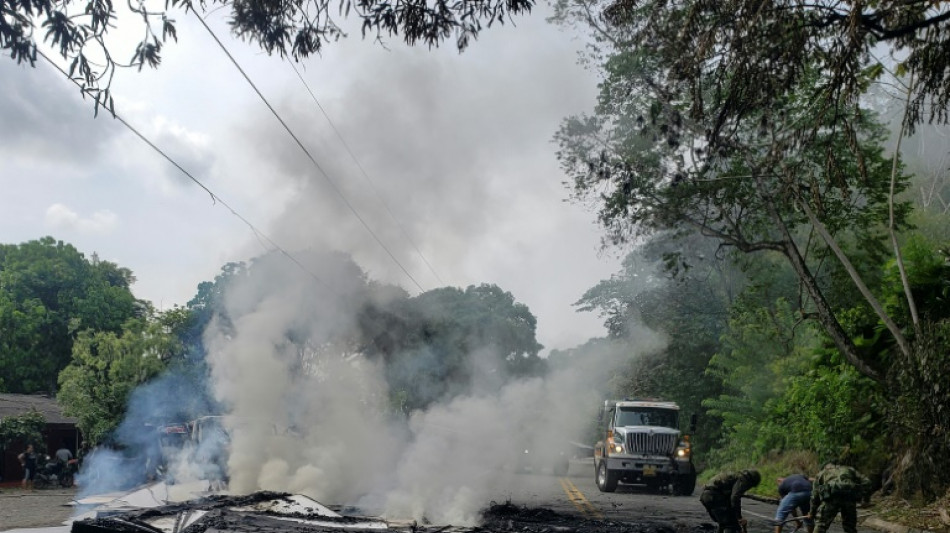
652, 443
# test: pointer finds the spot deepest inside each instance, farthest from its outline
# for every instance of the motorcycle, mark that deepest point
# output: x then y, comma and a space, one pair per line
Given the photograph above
55, 473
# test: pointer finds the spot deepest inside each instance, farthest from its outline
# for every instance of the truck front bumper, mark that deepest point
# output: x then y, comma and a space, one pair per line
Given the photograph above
633, 469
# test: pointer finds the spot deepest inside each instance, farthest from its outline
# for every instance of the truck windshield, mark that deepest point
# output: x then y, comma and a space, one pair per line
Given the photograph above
647, 416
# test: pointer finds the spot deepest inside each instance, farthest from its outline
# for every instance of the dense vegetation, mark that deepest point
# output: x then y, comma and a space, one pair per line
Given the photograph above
71, 327
806, 292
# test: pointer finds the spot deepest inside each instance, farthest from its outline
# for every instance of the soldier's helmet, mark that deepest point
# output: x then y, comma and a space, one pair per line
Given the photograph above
753, 475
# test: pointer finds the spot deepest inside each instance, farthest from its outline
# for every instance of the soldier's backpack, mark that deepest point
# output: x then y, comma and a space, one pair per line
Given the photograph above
842, 482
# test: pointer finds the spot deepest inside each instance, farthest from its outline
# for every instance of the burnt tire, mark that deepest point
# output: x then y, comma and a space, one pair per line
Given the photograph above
606, 478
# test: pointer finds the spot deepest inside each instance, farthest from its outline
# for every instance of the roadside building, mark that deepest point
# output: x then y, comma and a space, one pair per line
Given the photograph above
59, 429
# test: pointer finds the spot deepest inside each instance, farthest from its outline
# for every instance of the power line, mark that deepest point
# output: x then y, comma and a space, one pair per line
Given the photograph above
214, 197
372, 186
307, 152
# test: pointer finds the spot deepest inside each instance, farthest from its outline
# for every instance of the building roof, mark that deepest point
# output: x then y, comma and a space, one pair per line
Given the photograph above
18, 404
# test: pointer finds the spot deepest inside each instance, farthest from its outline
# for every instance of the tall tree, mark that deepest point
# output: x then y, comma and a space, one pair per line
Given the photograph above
48, 292
791, 174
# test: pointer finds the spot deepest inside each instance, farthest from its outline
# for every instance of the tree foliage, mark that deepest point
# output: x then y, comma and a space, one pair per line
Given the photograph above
448, 341
107, 366
80, 31
48, 292
25, 429
732, 58
791, 174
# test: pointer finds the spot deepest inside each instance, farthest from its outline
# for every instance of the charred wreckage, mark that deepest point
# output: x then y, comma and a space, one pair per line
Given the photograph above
291, 513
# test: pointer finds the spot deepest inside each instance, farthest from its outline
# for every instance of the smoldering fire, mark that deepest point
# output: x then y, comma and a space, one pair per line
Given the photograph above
308, 414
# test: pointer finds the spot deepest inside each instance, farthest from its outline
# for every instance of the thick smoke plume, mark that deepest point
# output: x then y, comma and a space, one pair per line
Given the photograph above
310, 414
294, 403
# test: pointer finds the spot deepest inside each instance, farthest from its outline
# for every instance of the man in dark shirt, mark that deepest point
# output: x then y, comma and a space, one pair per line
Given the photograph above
722, 498
795, 491
28, 461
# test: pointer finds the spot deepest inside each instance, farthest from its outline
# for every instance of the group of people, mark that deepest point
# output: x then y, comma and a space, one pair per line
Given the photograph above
29, 460
836, 489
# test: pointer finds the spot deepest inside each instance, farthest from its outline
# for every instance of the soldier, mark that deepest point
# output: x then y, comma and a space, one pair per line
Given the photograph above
722, 498
837, 488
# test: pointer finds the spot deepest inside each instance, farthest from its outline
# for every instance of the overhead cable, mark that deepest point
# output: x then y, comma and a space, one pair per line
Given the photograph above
214, 197
313, 160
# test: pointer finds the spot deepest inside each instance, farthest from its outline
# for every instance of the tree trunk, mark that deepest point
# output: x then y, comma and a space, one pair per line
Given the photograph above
891, 226
856, 278
826, 316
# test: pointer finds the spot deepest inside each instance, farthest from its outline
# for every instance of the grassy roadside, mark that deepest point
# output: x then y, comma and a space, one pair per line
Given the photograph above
934, 516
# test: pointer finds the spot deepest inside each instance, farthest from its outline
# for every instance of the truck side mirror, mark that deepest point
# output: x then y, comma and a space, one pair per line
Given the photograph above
692, 423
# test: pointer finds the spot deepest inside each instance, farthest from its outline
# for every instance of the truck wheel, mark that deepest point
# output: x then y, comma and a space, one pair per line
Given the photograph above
685, 484
606, 479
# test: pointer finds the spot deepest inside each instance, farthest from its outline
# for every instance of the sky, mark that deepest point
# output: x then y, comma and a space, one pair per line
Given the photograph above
457, 148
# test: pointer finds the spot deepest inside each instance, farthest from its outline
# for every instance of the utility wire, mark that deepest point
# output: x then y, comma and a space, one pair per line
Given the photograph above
307, 152
214, 197
372, 185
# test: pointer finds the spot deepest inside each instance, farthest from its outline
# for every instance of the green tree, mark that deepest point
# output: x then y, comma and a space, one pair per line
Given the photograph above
107, 366
652, 165
730, 58
764, 345
48, 292
79, 31
445, 341
23, 429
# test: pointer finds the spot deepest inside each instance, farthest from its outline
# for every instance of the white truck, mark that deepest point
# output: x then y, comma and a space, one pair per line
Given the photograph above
642, 444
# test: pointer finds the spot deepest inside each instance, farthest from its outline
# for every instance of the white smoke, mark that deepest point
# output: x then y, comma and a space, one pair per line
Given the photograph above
310, 415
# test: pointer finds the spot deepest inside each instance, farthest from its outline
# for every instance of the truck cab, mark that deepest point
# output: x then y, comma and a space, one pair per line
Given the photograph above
642, 444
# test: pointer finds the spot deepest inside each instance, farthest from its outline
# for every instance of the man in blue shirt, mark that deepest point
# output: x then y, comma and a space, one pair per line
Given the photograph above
795, 491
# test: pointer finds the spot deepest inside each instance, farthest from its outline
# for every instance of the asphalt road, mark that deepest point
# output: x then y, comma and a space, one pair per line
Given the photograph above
577, 493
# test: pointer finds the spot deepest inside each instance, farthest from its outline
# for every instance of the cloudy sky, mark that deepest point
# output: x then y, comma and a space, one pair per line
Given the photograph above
457, 147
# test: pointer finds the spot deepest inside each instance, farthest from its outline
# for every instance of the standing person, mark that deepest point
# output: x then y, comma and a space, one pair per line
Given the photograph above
795, 491
722, 498
28, 461
64, 454
837, 488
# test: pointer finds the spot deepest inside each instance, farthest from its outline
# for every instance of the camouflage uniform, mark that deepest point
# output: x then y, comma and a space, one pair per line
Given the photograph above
837, 489
722, 498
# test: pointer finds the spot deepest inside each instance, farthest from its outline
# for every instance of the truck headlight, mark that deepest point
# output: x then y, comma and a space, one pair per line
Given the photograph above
617, 446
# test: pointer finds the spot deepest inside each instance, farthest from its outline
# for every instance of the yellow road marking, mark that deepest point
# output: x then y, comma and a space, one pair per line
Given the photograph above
577, 498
